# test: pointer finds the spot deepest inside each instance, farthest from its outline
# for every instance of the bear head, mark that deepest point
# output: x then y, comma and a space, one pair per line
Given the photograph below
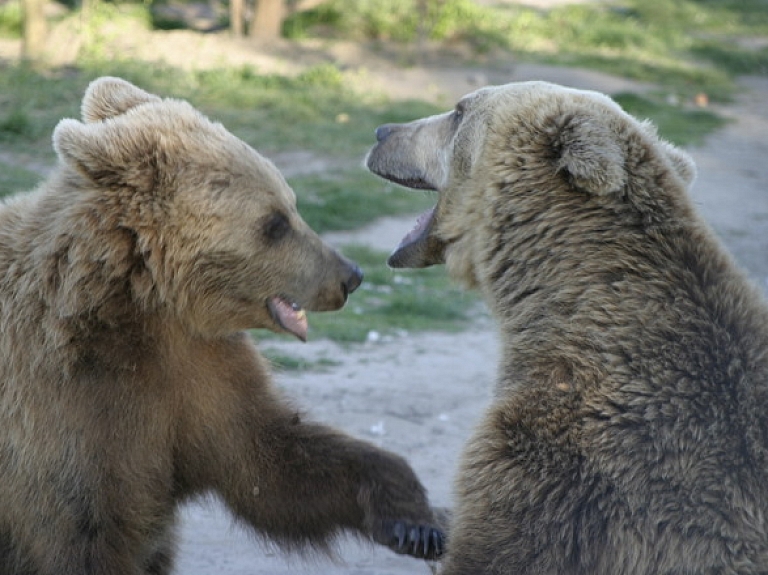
504, 149
189, 219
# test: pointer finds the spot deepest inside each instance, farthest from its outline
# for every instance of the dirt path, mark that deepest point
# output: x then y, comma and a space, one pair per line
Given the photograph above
421, 394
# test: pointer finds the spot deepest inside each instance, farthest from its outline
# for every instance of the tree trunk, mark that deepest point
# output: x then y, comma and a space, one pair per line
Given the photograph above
267, 23
35, 29
236, 17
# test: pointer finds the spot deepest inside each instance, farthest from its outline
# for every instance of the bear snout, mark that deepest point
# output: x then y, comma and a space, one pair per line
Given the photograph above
383, 131
340, 278
353, 281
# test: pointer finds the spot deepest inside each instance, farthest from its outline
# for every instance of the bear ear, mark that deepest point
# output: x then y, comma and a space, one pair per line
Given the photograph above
106, 155
590, 154
108, 97
681, 162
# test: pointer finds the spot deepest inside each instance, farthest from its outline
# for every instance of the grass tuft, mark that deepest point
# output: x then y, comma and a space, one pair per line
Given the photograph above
11, 19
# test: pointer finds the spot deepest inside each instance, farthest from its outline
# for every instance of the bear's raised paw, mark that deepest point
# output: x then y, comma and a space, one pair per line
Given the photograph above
420, 541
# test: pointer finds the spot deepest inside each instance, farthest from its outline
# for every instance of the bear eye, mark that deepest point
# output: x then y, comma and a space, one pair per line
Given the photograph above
220, 185
276, 226
458, 112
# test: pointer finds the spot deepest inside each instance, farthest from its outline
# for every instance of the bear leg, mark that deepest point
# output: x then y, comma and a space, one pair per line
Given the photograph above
301, 484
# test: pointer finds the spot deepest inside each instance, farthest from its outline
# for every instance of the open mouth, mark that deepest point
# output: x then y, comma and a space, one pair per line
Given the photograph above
420, 247
412, 183
413, 242
289, 315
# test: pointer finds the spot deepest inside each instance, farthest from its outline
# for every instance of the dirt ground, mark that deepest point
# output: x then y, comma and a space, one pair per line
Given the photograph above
420, 394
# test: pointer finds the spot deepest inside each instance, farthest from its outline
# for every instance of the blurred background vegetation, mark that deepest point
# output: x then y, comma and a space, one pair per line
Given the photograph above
690, 51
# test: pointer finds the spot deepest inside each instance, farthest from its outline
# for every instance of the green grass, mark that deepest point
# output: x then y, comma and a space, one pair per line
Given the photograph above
343, 200
390, 302
11, 19
315, 111
688, 46
32, 102
681, 127
15, 179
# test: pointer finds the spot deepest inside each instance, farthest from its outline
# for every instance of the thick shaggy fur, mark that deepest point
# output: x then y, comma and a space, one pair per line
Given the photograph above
127, 383
629, 431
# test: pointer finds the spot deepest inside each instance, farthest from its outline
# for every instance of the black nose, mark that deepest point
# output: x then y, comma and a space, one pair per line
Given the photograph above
383, 131
354, 280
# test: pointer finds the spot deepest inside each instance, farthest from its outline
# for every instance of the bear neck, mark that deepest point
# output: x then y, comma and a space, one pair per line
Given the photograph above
68, 265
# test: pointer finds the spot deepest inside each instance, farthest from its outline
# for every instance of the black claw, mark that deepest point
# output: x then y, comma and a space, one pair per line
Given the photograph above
414, 537
399, 532
420, 541
437, 542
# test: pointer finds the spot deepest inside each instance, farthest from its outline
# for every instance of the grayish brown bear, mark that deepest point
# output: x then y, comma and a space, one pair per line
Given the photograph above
629, 433
127, 385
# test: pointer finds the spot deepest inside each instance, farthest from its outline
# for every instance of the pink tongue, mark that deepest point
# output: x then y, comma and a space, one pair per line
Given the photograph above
292, 320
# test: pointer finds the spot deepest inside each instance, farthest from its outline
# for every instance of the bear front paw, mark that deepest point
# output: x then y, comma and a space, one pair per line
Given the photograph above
420, 541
